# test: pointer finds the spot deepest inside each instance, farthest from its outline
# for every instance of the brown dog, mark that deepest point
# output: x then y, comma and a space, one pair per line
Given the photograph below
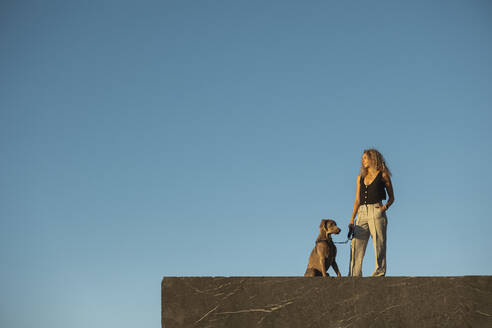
324, 252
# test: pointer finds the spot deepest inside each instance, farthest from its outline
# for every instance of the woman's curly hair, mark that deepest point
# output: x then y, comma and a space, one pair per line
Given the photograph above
377, 160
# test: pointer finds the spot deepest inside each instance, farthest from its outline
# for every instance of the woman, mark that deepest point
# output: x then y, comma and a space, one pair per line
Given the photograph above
372, 182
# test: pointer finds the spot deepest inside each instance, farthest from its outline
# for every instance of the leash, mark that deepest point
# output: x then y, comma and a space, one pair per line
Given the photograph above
342, 242
350, 235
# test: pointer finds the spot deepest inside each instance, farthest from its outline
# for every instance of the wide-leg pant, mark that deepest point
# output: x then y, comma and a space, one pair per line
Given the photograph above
371, 221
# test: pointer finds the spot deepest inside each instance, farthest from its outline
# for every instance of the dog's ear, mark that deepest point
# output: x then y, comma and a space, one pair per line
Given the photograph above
323, 224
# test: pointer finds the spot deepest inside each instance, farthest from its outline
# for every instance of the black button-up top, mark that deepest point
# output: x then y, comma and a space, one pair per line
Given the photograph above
373, 193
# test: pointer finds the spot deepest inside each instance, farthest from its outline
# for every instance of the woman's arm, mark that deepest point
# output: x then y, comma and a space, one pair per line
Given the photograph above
356, 202
389, 189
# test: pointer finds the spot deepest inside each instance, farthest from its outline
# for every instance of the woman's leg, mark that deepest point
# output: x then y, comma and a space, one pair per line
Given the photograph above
359, 244
377, 227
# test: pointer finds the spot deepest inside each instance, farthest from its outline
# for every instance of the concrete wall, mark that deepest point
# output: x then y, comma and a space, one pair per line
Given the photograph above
298, 302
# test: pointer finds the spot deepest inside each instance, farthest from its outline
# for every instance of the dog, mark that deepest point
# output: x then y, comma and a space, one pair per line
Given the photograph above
324, 252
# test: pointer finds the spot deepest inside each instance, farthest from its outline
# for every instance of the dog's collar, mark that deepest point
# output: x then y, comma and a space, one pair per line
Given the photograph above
328, 239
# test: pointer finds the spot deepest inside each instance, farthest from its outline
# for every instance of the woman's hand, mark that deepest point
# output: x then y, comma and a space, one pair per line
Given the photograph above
384, 208
351, 230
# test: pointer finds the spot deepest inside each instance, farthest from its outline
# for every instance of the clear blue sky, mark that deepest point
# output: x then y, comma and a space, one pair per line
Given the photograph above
143, 139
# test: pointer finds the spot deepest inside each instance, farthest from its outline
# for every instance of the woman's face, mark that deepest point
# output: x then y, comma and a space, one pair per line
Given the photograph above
366, 162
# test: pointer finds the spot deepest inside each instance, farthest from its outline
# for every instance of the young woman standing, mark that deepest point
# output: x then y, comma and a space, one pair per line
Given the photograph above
373, 182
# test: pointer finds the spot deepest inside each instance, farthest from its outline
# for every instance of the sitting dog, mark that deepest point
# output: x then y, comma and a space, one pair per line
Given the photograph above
324, 252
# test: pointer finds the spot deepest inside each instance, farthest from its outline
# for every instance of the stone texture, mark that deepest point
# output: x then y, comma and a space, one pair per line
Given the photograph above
327, 302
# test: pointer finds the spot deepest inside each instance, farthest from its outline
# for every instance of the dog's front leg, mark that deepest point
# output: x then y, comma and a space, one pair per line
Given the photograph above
321, 249
335, 267
322, 261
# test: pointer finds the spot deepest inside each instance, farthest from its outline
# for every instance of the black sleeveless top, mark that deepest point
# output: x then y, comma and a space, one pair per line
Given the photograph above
373, 193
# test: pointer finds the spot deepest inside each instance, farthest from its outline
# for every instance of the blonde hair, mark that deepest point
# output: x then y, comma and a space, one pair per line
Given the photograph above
377, 160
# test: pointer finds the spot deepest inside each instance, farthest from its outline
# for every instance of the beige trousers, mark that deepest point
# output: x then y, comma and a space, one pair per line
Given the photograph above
371, 221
